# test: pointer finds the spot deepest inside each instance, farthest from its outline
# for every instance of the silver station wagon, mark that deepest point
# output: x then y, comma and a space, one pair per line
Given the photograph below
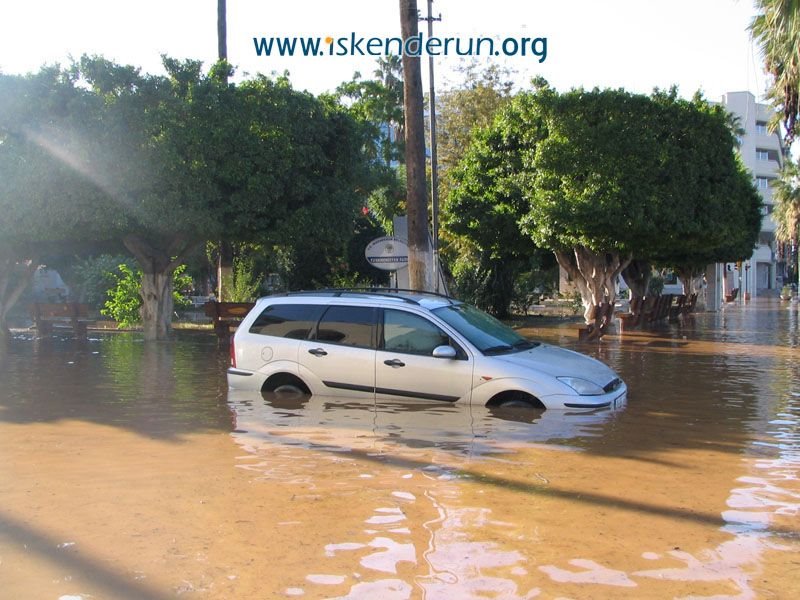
408, 345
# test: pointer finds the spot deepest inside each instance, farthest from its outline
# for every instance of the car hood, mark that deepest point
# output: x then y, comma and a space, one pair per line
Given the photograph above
560, 362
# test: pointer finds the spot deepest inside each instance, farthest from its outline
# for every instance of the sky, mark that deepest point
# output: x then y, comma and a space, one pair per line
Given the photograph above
634, 44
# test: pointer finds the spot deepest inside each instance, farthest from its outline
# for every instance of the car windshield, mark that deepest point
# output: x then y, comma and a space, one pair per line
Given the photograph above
486, 333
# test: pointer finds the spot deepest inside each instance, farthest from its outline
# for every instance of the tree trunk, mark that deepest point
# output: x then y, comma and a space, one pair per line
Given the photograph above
637, 278
419, 251
224, 271
501, 286
10, 290
595, 276
158, 266
688, 277
157, 304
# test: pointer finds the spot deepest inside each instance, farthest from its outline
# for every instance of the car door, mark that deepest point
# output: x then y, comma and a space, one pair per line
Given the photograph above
406, 368
340, 355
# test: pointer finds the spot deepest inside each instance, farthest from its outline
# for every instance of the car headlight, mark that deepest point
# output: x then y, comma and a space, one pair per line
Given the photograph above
582, 387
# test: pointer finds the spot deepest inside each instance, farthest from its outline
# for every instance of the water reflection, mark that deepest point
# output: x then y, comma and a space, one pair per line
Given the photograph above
691, 491
316, 421
159, 389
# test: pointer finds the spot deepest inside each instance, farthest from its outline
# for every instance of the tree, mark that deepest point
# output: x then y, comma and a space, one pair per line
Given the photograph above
173, 161
124, 301
786, 192
603, 176
715, 211
485, 264
620, 176
466, 108
378, 103
776, 29
482, 213
45, 190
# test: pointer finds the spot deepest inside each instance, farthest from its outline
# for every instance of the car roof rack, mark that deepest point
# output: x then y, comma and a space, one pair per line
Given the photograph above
376, 291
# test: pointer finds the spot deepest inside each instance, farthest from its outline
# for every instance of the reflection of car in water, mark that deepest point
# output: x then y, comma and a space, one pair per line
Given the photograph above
425, 347
339, 423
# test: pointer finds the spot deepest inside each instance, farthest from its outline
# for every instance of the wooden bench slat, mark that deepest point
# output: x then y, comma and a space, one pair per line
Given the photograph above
226, 315
74, 314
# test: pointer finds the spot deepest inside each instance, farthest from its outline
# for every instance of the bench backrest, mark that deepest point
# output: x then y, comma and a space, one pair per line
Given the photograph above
62, 309
227, 310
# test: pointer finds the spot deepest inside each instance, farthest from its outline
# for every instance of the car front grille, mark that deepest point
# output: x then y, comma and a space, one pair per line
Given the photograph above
612, 385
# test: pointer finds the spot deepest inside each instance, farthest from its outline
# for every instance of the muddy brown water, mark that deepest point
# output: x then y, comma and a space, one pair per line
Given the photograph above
127, 470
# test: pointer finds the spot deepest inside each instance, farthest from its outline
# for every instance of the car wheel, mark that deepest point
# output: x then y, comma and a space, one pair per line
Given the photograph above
288, 389
515, 400
515, 403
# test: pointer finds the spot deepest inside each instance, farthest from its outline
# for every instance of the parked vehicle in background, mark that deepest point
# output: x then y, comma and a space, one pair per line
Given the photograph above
408, 345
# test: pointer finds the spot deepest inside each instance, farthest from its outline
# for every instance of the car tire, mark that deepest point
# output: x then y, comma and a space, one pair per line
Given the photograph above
515, 400
516, 403
289, 389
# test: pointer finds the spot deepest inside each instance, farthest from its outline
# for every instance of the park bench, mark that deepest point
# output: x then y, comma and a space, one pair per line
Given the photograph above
631, 319
653, 309
691, 304
675, 310
661, 308
67, 314
225, 315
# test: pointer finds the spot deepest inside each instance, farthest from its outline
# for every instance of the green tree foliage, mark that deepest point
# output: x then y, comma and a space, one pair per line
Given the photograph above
776, 29
464, 109
168, 162
378, 103
124, 299
603, 176
786, 192
482, 205
481, 216
246, 285
45, 189
622, 176
90, 278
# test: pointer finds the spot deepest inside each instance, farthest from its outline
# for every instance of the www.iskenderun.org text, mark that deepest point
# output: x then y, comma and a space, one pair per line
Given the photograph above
418, 45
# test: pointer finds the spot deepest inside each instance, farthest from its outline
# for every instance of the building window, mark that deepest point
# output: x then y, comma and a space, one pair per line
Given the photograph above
763, 183
761, 128
764, 154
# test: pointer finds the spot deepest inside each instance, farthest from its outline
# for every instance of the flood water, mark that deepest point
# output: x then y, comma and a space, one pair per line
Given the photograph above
127, 470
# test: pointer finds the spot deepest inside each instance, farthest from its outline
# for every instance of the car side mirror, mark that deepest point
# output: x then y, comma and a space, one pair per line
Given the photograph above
444, 352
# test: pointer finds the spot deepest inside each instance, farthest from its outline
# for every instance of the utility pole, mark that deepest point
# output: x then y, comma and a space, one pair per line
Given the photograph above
225, 258
222, 30
434, 162
416, 193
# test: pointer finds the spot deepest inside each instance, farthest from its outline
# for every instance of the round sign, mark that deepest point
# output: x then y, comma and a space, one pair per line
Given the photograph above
388, 253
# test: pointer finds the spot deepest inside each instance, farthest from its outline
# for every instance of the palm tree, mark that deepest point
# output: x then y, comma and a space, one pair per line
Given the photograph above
776, 29
786, 193
390, 74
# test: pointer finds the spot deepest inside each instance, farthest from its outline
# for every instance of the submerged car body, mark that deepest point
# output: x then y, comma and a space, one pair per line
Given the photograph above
408, 345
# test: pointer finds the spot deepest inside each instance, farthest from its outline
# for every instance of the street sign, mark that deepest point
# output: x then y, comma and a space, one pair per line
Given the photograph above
388, 253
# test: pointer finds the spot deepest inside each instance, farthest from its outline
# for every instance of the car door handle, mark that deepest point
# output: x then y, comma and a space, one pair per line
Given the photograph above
395, 362
318, 352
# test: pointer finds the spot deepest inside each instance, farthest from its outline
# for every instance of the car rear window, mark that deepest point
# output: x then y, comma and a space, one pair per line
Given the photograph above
287, 320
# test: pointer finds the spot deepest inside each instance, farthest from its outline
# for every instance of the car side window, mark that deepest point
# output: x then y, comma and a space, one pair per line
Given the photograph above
411, 334
292, 321
348, 325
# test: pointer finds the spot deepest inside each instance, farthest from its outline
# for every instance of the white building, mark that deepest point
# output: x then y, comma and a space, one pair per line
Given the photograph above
762, 153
